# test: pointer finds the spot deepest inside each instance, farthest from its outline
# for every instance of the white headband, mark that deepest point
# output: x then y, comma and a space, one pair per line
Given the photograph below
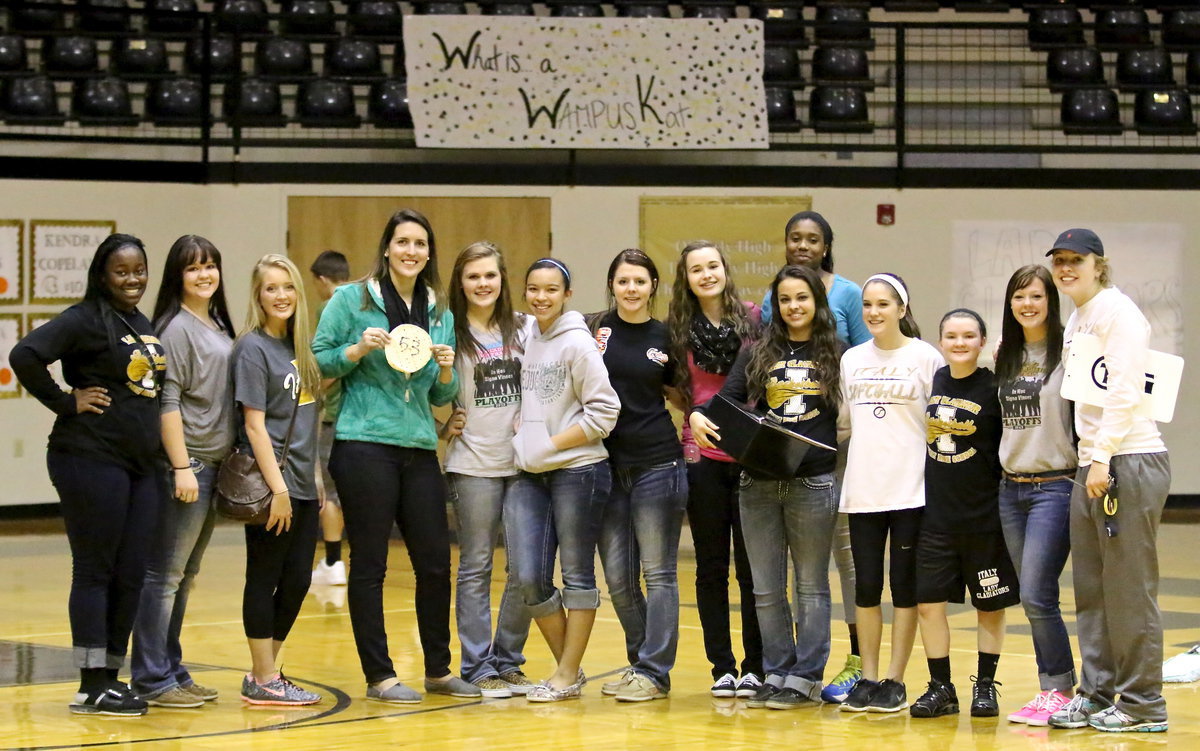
566, 274
892, 282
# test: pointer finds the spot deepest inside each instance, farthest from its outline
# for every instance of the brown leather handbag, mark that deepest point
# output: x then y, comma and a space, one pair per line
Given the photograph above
242, 492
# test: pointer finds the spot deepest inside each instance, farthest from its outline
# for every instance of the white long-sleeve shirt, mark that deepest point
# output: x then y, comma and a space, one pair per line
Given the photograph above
1124, 333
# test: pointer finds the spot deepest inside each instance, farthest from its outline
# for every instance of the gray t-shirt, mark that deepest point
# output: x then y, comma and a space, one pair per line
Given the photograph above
1037, 433
489, 388
265, 378
198, 386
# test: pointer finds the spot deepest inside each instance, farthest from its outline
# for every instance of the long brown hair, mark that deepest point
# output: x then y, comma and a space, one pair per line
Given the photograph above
502, 314
825, 346
299, 329
429, 275
685, 306
1010, 356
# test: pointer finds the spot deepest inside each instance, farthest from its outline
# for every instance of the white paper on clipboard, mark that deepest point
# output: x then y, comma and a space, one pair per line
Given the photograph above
1085, 378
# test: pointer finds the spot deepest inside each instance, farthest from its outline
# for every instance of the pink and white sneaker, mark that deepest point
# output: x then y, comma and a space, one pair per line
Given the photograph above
1051, 703
1034, 706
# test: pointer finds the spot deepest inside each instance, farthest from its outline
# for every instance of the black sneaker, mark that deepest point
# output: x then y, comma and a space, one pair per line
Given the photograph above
859, 697
939, 699
111, 701
889, 697
765, 693
983, 697
790, 698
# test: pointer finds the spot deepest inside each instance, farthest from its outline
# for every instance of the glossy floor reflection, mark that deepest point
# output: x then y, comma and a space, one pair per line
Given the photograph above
37, 679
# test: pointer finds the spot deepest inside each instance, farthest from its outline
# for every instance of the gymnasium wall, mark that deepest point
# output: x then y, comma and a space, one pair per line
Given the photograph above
589, 225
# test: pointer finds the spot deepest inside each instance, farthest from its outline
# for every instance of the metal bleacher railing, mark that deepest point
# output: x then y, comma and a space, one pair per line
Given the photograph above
844, 77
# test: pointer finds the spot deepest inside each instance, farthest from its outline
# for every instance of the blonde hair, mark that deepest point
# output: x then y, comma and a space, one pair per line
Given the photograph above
1103, 271
299, 329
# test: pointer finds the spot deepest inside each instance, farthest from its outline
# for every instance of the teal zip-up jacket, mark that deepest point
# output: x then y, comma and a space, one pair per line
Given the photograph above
373, 406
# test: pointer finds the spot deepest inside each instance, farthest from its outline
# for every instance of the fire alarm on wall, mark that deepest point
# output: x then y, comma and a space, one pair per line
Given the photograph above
885, 214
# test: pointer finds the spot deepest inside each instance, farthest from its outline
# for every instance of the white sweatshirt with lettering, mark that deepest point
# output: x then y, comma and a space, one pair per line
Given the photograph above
884, 395
1124, 333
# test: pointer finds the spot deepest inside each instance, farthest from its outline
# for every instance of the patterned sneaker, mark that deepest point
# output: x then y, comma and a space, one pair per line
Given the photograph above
764, 694
984, 701
891, 696
1113, 720
1075, 713
111, 701
1053, 702
277, 691
725, 687
640, 688
611, 688
544, 693
859, 696
1184, 668
493, 688
839, 688
204, 693
176, 698
790, 698
748, 686
939, 699
517, 682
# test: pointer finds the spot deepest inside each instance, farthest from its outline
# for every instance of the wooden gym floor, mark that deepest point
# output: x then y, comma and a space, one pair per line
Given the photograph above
37, 679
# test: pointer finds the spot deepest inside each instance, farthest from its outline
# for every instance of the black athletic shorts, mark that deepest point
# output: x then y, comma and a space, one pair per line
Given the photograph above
950, 562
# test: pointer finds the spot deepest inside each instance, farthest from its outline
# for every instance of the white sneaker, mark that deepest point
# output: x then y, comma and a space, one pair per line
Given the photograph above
1184, 668
329, 576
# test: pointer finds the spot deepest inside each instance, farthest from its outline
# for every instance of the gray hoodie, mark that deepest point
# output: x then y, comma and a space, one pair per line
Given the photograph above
563, 383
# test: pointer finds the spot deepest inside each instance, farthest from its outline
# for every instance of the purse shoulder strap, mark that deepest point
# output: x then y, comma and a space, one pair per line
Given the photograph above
287, 438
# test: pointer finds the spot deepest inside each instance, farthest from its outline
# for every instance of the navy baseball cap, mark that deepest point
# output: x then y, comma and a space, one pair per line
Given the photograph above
1081, 241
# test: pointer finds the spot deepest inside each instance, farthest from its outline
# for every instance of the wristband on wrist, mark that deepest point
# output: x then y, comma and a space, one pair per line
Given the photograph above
180, 469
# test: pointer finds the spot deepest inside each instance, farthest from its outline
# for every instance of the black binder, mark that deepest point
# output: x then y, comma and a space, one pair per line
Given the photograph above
759, 443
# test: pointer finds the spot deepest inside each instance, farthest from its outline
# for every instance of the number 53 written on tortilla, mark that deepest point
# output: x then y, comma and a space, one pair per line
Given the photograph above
409, 348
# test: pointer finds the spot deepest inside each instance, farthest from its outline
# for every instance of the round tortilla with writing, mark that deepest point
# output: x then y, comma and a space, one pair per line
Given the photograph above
409, 348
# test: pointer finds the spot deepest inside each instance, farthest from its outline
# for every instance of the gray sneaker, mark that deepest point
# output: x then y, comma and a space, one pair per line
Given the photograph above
397, 694
277, 691
455, 686
1076, 713
175, 698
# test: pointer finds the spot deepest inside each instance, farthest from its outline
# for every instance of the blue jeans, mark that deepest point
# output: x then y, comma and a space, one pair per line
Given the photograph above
798, 516
184, 530
1036, 520
641, 533
561, 511
480, 505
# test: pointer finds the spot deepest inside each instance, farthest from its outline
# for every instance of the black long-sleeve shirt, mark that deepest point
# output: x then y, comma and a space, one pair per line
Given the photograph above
129, 365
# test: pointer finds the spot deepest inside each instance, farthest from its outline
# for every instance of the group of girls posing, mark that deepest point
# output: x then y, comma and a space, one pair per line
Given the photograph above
561, 436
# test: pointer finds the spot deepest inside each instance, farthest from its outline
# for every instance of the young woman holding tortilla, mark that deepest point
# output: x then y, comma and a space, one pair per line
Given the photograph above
384, 457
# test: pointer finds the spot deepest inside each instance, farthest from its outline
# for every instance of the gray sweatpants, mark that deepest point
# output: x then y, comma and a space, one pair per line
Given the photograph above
1116, 588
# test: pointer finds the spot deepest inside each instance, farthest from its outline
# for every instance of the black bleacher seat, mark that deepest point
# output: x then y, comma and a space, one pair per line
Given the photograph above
102, 102
1122, 29
843, 26
376, 18
710, 10
139, 59
175, 102
14, 57
31, 100
1074, 68
643, 10
782, 23
70, 56
243, 17
323, 103
98, 16
576, 10
353, 59
507, 9
171, 16
441, 9
27, 16
781, 110
387, 106
1144, 68
1091, 112
841, 66
839, 109
253, 103
983, 6
224, 57
1163, 113
1055, 26
308, 18
781, 66
1192, 66
282, 59
1181, 29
